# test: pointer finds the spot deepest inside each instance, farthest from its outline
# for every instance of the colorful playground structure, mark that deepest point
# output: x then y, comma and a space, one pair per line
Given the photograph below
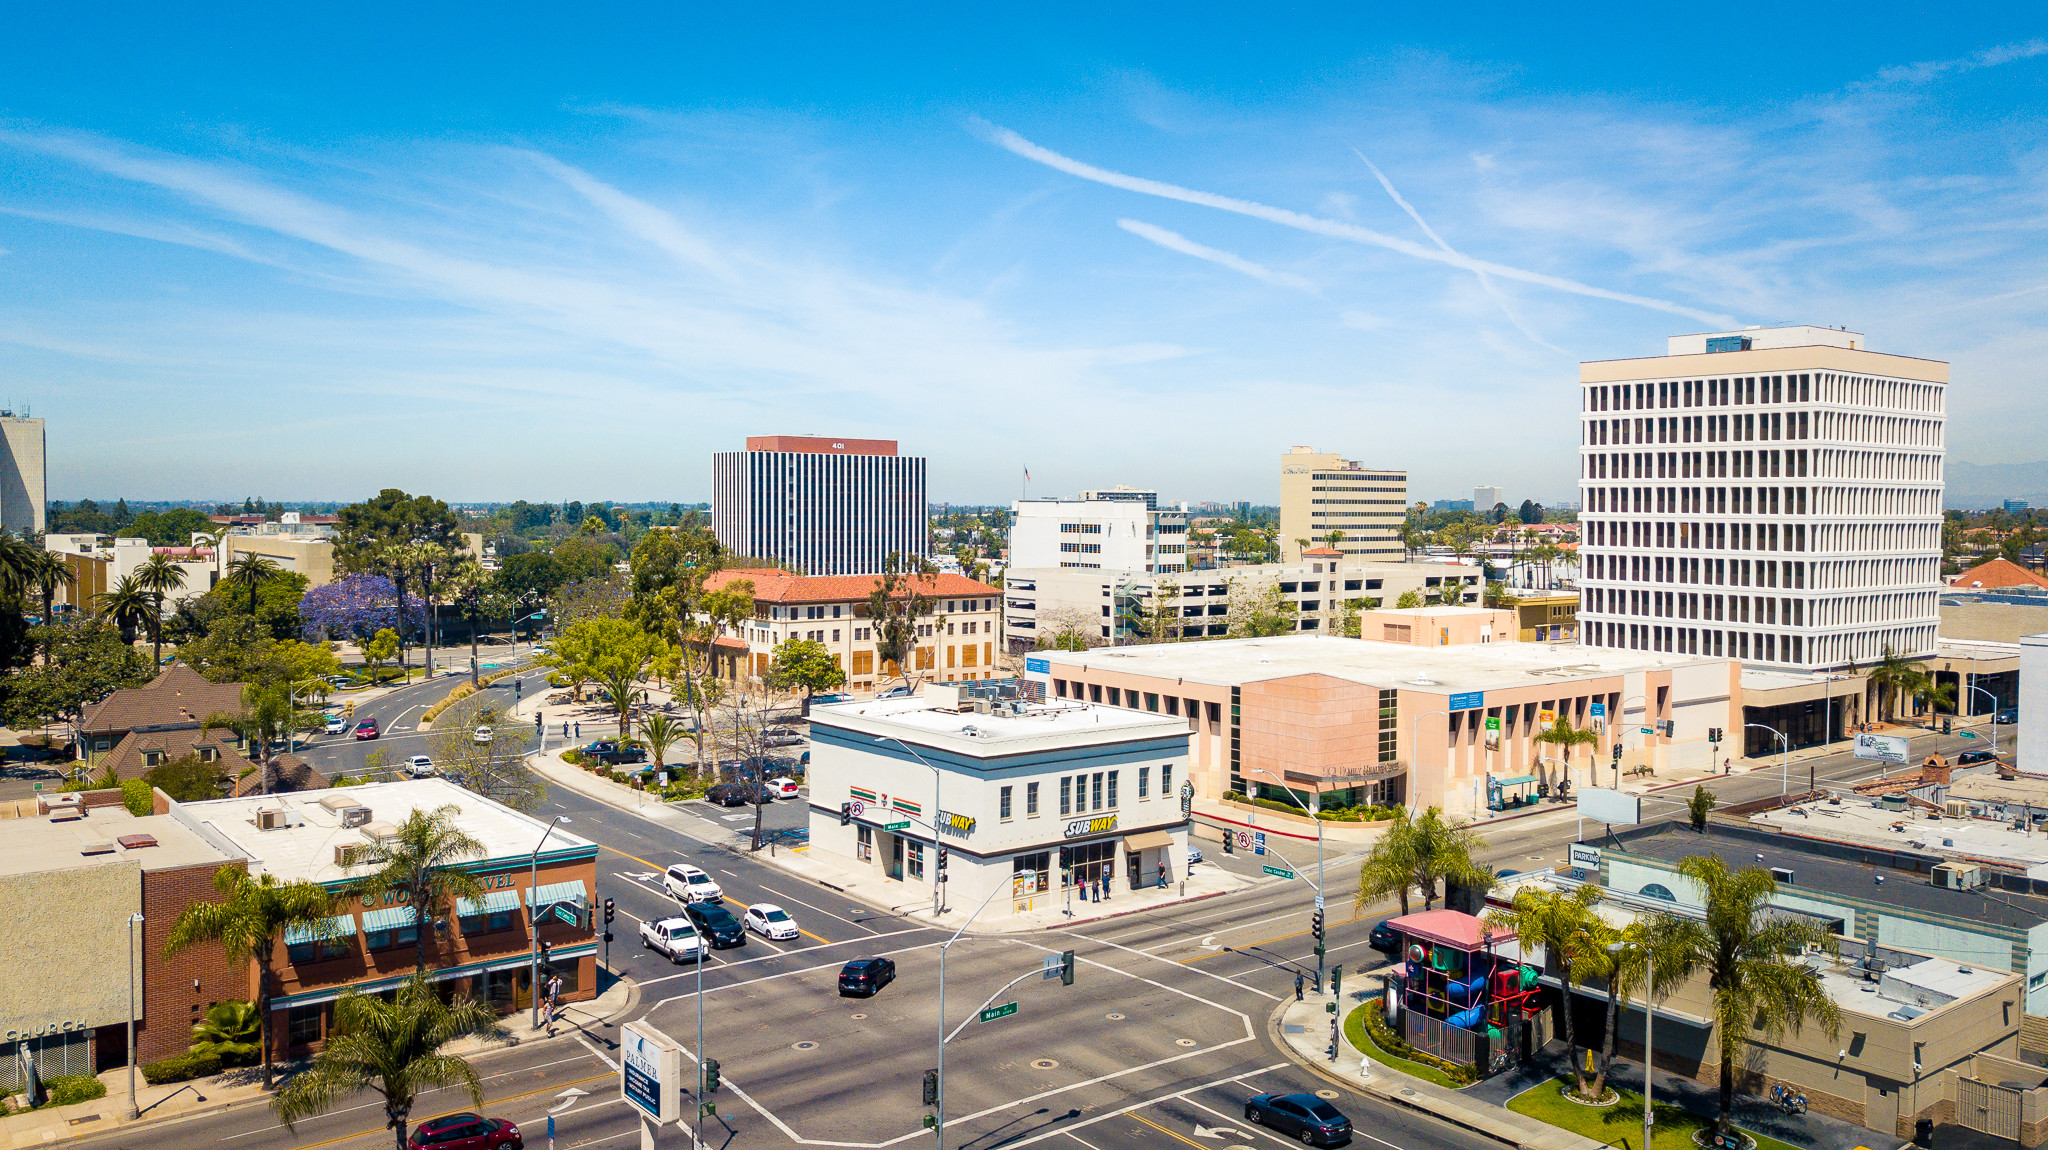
1456, 996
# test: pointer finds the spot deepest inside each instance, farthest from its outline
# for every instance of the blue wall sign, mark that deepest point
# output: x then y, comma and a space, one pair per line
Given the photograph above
1467, 701
1037, 666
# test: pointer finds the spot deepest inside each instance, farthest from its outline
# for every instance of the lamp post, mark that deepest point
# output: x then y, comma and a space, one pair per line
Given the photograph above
1319, 862
938, 881
1649, 1010
1785, 767
1620, 709
1994, 713
134, 920
533, 919
939, 1126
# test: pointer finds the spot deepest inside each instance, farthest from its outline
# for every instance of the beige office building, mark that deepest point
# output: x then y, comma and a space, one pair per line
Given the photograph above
24, 474
1321, 492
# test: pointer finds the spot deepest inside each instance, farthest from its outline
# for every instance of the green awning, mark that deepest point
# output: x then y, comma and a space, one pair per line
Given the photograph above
495, 902
558, 893
339, 927
390, 918
1516, 780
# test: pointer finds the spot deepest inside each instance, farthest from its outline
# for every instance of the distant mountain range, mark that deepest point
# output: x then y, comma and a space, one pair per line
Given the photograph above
1974, 486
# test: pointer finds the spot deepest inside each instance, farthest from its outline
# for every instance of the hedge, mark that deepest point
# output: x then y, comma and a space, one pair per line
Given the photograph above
1329, 815
464, 691
180, 1067
66, 1089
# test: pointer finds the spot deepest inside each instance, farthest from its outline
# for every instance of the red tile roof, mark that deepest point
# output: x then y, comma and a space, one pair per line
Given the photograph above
773, 586
1999, 573
1322, 553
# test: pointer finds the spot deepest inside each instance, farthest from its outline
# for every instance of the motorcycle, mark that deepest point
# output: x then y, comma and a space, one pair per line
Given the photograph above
1790, 1101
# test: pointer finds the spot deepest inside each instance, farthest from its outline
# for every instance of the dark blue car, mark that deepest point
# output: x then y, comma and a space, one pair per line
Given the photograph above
1302, 1116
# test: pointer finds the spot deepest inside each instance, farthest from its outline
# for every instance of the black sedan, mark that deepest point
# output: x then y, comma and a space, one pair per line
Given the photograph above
862, 977
719, 925
739, 794
1969, 757
1305, 1116
1384, 938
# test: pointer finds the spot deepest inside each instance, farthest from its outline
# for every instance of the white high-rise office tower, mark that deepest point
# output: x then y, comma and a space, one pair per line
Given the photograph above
1771, 495
824, 506
24, 474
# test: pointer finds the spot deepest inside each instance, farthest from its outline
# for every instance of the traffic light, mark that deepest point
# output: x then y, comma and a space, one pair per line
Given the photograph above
931, 1088
1337, 981
1617, 752
1713, 734
711, 1076
546, 955
942, 858
1315, 925
1066, 968
348, 709
1229, 843
611, 910
845, 813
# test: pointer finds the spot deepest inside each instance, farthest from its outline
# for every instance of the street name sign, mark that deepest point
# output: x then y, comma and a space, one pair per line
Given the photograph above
995, 1012
1279, 872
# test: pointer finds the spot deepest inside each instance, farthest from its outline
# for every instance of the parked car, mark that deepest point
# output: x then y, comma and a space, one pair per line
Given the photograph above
2006, 717
613, 753
691, 884
466, 1132
1302, 1116
862, 977
769, 921
1384, 938
1968, 757
828, 700
483, 735
902, 692
784, 789
675, 937
739, 794
716, 923
420, 767
366, 729
784, 739
1194, 855
336, 723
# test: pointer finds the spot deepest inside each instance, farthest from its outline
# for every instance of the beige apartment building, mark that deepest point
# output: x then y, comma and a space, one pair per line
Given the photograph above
957, 642
1321, 492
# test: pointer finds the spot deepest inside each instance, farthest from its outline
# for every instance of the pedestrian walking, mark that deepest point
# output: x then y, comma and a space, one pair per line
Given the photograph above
1162, 874
1297, 986
579, 730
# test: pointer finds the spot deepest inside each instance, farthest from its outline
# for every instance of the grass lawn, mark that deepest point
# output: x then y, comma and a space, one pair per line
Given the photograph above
1354, 1030
1621, 1123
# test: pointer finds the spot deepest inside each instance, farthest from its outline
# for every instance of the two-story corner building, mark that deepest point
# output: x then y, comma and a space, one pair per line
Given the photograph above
957, 642
483, 947
1037, 803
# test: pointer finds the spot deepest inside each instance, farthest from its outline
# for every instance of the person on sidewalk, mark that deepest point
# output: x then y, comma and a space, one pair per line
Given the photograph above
1162, 875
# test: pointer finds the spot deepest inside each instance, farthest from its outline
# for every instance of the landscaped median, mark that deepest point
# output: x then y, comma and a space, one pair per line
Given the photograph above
1621, 1123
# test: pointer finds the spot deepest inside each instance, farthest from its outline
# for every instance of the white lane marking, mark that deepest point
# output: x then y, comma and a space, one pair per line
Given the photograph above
768, 977
767, 957
599, 1054
1196, 969
1140, 1105
1356, 1132
1081, 1140
819, 909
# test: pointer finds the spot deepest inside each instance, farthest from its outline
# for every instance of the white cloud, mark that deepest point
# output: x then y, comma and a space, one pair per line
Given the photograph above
1174, 241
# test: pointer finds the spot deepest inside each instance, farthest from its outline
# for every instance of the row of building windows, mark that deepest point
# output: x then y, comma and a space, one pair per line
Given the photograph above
1745, 391
1081, 528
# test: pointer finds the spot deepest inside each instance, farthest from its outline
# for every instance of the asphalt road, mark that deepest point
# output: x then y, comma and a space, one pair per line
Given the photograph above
397, 714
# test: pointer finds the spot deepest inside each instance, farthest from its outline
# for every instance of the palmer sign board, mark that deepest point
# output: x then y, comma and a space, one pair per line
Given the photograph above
651, 1072
1887, 748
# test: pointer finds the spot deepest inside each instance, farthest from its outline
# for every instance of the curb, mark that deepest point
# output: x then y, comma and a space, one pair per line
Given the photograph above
1133, 910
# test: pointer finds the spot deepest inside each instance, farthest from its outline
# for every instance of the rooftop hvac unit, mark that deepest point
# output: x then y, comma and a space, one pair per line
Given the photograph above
1956, 808
271, 820
346, 854
1957, 876
1783, 875
355, 816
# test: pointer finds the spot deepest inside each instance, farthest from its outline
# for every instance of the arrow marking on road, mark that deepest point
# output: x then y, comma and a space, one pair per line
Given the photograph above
1209, 943
568, 1098
1202, 1131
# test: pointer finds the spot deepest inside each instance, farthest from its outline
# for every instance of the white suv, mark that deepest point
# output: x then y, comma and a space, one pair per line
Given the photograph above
689, 884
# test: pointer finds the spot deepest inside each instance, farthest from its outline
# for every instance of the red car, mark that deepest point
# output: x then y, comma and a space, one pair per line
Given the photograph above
466, 1132
367, 729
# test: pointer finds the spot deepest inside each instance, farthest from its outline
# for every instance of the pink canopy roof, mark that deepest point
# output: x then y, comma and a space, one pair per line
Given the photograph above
1453, 928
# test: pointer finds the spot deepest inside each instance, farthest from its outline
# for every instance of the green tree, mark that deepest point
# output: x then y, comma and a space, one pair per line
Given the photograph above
364, 531
1894, 676
187, 779
421, 866
46, 575
249, 573
230, 1031
392, 1048
160, 576
173, 528
1563, 924
1624, 960
1531, 511
613, 653
1420, 852
1564, 737
1261, 614
1409, 600
805, 665
1752, 959
87, 660
584, 558
661, 731
1698, 807
247, 921
378, 648
531, 577
900, 602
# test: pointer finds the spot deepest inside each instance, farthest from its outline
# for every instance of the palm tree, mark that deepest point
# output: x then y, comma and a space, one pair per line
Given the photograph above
1389, 867
420, 866
18, 559
616, 683
127, 604
1894, 675
231, 1030
1936, 695
1420, 851
1623, 959
661, 731
247, 922
393, 1048
1563, 924
48, 573
251, 572
1564, 737
1754, 975
159, 576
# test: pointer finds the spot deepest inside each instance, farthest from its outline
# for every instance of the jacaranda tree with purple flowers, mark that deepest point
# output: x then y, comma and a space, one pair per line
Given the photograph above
357, 607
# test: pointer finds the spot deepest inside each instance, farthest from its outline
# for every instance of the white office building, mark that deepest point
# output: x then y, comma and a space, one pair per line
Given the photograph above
24, 474
1484, 498
824, 506
1772, 495
1034, 803
1112, 534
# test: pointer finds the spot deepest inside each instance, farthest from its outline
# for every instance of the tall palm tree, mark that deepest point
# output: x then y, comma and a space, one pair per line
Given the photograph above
1389, 867
661, 731
1754, 975
18, 559
48, 575
247, 921
1936, 695
1625, 960
1893, 676
469, 585
127, 604
393, 1048
1420, 851
420, 866
159, 576
1564, 737
251, 572
1564, 925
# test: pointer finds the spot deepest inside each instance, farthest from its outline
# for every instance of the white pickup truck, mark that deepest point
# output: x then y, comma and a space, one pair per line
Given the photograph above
675, 937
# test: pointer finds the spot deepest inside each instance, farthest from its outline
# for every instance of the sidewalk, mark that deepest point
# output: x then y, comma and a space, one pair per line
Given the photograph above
867, 884
243, 1086
1302, 1031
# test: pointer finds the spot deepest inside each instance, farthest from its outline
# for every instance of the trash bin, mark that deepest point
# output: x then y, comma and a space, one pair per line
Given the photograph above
1923, 1132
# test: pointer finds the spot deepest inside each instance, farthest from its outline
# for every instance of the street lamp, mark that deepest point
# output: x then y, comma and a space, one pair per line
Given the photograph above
533, 919
939, 1124
938, 883
1994, 712
134, 920
1649, 1010
1319, 859
1785, 767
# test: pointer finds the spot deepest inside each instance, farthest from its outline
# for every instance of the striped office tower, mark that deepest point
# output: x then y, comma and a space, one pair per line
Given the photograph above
823, 506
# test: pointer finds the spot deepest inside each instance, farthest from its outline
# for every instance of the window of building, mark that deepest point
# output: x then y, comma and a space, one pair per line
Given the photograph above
913, 858
864, 843
1151, 701
326, 951
1144, 782
408, 935
304, 1025
1112, 790
1004, 804
1066, 784
1038, 866
487, 923
1098, 791
1166, 780
1030, 800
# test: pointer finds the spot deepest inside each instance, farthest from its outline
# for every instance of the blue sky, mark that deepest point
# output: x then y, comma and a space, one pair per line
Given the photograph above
528, 252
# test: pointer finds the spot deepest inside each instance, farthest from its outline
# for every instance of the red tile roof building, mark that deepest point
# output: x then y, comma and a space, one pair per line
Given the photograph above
957, 642
1998, 573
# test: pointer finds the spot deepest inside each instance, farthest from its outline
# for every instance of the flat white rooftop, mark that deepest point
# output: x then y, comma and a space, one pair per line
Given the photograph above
1041, 726
1986, 840
1440, 670
305, 849
155, 842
